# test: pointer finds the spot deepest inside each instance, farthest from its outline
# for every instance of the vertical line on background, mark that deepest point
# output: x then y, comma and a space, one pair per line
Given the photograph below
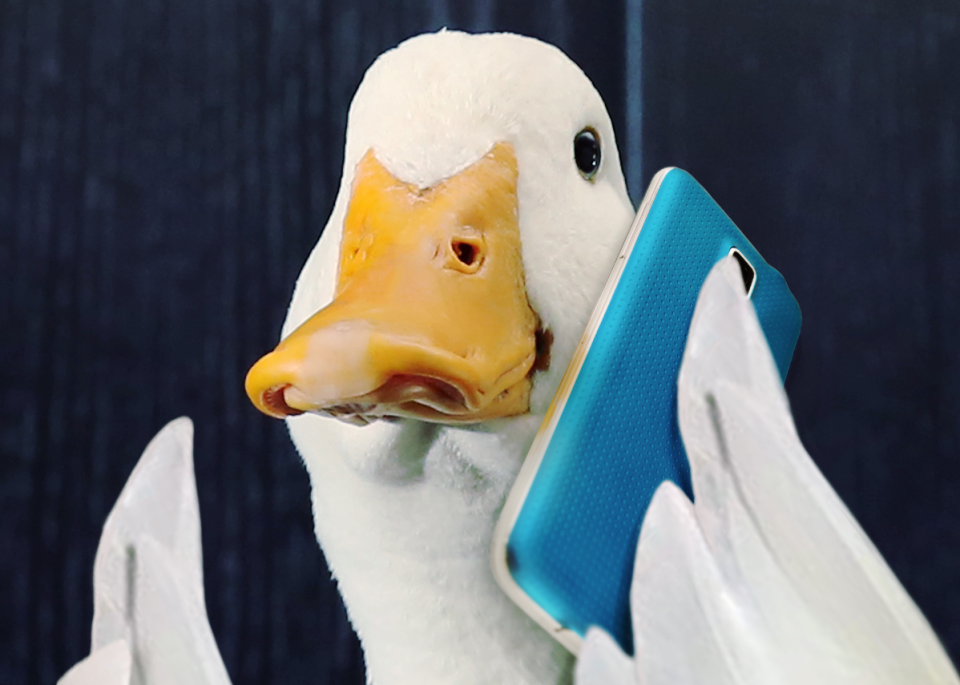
17, 659
273, 49
71, 390
239, 204
36, 227
483, 13
109, 78
439, 15
12, 70
634, 98
148, 166
558, 24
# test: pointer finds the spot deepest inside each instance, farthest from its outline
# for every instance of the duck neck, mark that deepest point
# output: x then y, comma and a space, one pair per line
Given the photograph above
410, 548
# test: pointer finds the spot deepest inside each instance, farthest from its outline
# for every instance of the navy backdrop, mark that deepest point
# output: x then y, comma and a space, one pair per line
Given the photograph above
166, 165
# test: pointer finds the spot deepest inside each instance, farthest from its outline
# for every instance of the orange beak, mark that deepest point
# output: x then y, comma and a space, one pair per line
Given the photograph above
430, 319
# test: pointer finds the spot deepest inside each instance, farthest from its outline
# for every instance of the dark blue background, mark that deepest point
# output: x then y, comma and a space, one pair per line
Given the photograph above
165, 166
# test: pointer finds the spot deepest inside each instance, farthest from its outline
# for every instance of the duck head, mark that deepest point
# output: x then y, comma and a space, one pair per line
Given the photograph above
480, 209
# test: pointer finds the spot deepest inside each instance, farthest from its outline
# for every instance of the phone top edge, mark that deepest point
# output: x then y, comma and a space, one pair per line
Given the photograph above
518, 493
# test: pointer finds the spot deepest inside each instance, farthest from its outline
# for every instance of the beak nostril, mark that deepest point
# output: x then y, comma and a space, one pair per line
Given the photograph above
466, 252
274, 401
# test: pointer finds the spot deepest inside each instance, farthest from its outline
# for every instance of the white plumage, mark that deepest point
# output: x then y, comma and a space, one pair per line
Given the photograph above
150, 620
404, 511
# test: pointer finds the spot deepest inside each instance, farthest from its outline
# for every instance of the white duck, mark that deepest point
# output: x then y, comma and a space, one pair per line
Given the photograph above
463, 226
470, 231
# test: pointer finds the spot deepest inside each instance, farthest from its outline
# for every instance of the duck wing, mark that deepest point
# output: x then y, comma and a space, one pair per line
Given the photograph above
767, 578
150, 622
108, 665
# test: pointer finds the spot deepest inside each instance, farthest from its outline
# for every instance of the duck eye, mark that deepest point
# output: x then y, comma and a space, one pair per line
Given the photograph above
586, 152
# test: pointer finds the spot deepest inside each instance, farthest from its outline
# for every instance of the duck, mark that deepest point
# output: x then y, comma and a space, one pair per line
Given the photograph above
481, 208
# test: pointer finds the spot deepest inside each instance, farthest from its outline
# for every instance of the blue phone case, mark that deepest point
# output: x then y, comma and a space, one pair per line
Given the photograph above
565, 543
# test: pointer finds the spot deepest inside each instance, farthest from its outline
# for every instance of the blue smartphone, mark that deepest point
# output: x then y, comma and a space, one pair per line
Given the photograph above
564, 545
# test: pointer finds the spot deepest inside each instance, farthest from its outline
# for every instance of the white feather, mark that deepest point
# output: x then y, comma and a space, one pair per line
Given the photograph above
108, 665
148, 578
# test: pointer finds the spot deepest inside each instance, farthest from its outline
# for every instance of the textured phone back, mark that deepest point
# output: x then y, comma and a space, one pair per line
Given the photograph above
572, 545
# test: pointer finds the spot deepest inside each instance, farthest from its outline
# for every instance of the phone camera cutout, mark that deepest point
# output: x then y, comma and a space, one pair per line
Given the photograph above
747, 272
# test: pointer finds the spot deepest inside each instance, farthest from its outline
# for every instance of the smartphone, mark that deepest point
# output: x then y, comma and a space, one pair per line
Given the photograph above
564, 545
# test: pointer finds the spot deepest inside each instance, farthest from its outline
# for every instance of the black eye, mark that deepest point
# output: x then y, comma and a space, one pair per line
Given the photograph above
586, 151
